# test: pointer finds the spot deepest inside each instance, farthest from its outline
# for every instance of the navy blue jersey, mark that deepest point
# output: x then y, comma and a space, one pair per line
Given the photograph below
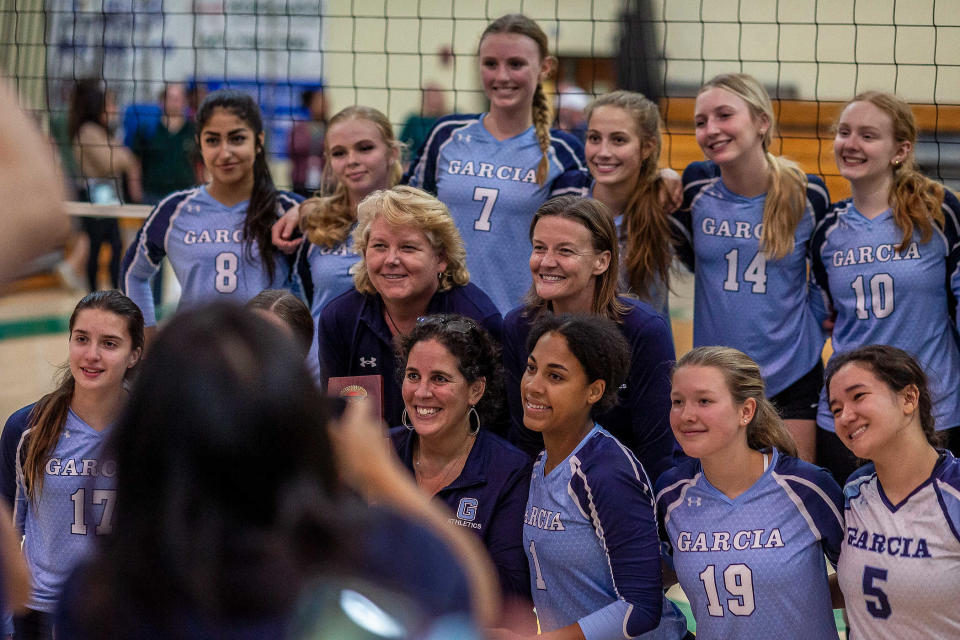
323, 273
900, 563
590, 534
75, 504
641, 419
488, 497
743, 299
9, 442
752, 566
904, 298
490, 187
204, 241
354, 339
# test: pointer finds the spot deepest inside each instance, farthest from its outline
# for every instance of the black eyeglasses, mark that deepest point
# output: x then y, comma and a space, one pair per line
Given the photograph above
457, 324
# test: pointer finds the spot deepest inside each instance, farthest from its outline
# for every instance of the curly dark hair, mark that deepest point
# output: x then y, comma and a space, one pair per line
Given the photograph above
598, 345
477, 354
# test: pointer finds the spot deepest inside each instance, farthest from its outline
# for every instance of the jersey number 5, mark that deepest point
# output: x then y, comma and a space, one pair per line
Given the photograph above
738, 581
488, 196
880, 608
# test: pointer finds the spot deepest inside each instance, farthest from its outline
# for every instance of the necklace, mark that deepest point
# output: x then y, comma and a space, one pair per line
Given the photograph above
452, 468
392, 322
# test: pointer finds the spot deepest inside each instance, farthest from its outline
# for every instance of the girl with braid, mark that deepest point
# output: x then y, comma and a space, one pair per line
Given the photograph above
494, 169
217, 236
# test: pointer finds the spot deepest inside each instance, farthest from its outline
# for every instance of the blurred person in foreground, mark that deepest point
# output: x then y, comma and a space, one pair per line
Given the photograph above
231, 521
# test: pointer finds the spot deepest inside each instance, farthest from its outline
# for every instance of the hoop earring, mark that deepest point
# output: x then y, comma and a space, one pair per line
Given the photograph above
405, 420
473, 412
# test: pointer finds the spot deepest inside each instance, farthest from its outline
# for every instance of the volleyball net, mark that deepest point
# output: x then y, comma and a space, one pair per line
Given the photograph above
811, 54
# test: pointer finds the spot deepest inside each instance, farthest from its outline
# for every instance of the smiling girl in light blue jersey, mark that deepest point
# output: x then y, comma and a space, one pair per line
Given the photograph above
65, 485
887, 259
494, 169
363, 156
746, 522
217, 236
623, 152
590, 527
748, 239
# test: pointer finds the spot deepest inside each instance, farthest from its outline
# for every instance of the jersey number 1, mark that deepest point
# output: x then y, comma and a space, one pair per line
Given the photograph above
541, 583
489, 198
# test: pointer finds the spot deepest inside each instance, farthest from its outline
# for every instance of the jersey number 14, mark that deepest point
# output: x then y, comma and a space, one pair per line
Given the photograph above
756, 272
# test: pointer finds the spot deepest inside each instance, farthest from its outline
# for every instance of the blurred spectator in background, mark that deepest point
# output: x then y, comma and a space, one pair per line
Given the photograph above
417, 126
105, 167
306, 144
571, 102
33, 220
166, 149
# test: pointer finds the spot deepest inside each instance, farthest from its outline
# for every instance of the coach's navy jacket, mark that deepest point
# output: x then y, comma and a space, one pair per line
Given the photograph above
489, 497
354, 339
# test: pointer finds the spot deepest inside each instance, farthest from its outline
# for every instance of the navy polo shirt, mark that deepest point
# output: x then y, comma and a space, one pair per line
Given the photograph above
641, 418
489, 497
354, 339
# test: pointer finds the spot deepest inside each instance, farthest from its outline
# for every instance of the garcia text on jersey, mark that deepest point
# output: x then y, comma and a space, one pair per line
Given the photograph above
725, 540
880, 253
892, 546
83, 467
543, 519
213, 236
487, 170
731, 229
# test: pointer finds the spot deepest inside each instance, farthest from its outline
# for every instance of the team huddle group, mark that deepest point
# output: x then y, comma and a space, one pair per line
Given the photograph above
543, 405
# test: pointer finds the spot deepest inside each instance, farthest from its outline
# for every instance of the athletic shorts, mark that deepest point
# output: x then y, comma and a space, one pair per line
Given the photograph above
799, 400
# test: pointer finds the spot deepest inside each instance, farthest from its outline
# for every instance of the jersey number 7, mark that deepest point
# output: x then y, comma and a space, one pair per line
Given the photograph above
488, 196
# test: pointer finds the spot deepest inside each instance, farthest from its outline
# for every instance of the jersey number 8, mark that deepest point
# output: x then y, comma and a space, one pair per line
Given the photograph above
226, 278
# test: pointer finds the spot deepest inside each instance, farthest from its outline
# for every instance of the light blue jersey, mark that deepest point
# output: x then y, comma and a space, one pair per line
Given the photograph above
75, 504
490, 187
752, 567
322, 274
204, 241
742, 299
903, 298
590, 537
900, 565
